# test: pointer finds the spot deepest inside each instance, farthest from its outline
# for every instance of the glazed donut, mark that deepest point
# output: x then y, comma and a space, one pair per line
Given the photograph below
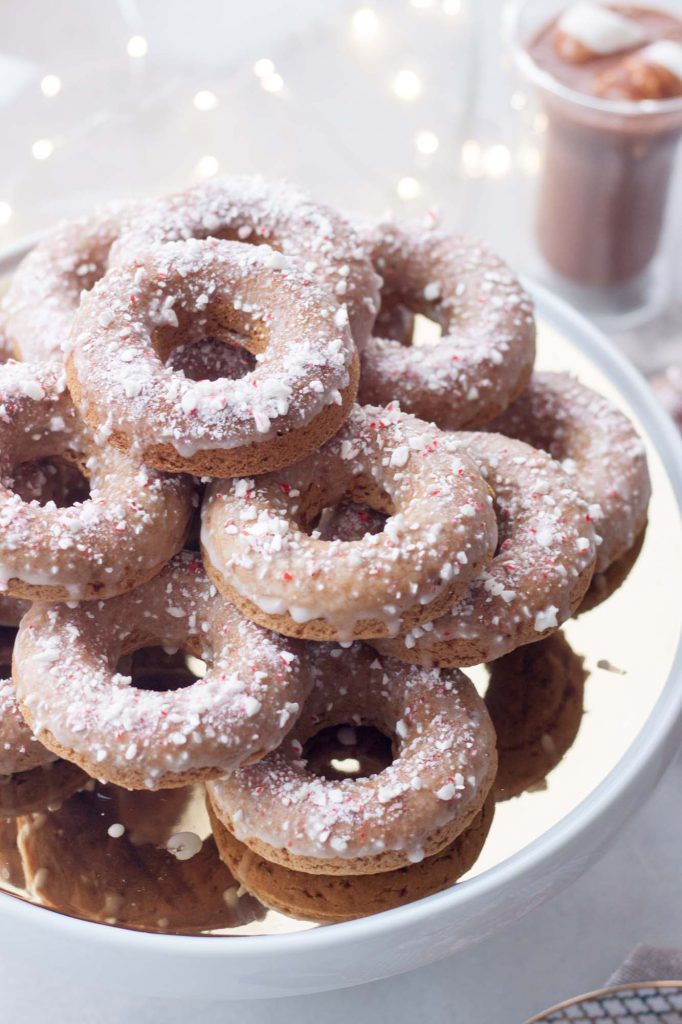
441, 532
42, 481
596, 444
298, 395
535, 702
542, 568
332, 898
254, 211
46, 289
134, 521
349, 520
485, 356
81, 707
210, 359
444, 766
20, 751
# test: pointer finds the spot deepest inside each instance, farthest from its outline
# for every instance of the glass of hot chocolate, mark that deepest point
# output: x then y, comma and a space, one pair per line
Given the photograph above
609, 77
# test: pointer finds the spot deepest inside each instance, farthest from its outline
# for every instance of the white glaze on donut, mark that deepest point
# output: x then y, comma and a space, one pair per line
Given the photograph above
440, 532
255, 211
443, 767
46, 288
194, 289
65, 670
485, 355
134, 520
597, 445
542, 568
20, 751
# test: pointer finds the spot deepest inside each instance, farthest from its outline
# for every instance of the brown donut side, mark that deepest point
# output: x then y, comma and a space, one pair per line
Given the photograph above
334, 898
134, 779
390, 860
91, 592
320, 629
247, 460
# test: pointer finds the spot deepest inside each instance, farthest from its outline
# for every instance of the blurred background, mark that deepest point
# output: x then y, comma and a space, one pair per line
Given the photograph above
409, 106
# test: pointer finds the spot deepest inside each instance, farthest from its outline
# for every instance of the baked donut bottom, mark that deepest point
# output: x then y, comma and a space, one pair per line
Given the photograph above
251, 459
321, 629
23, 591
388, 861
334, 898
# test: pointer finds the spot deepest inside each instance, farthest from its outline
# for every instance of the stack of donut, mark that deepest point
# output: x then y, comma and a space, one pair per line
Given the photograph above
375, 515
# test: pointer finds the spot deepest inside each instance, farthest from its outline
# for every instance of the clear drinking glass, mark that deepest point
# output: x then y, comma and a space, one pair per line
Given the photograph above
603, 211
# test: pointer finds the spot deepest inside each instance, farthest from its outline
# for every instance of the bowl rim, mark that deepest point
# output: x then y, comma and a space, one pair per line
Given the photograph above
644, 752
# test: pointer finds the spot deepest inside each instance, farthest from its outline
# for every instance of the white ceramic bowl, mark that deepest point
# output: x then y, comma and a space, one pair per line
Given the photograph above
411, 936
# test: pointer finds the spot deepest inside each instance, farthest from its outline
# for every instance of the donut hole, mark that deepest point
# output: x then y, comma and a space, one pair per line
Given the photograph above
7, 638
54, 479
427, 332
507, 523
163, 671
193, 344
346, 510
395, 322
89, 272
347, 520
212, 358
193, 539
347, 751
410, 327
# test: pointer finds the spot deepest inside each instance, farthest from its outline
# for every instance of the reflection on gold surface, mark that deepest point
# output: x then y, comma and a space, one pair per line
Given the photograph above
72, 863
107, 855
535, 701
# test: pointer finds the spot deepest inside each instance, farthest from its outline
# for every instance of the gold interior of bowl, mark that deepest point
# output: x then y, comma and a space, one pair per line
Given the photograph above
627, 643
